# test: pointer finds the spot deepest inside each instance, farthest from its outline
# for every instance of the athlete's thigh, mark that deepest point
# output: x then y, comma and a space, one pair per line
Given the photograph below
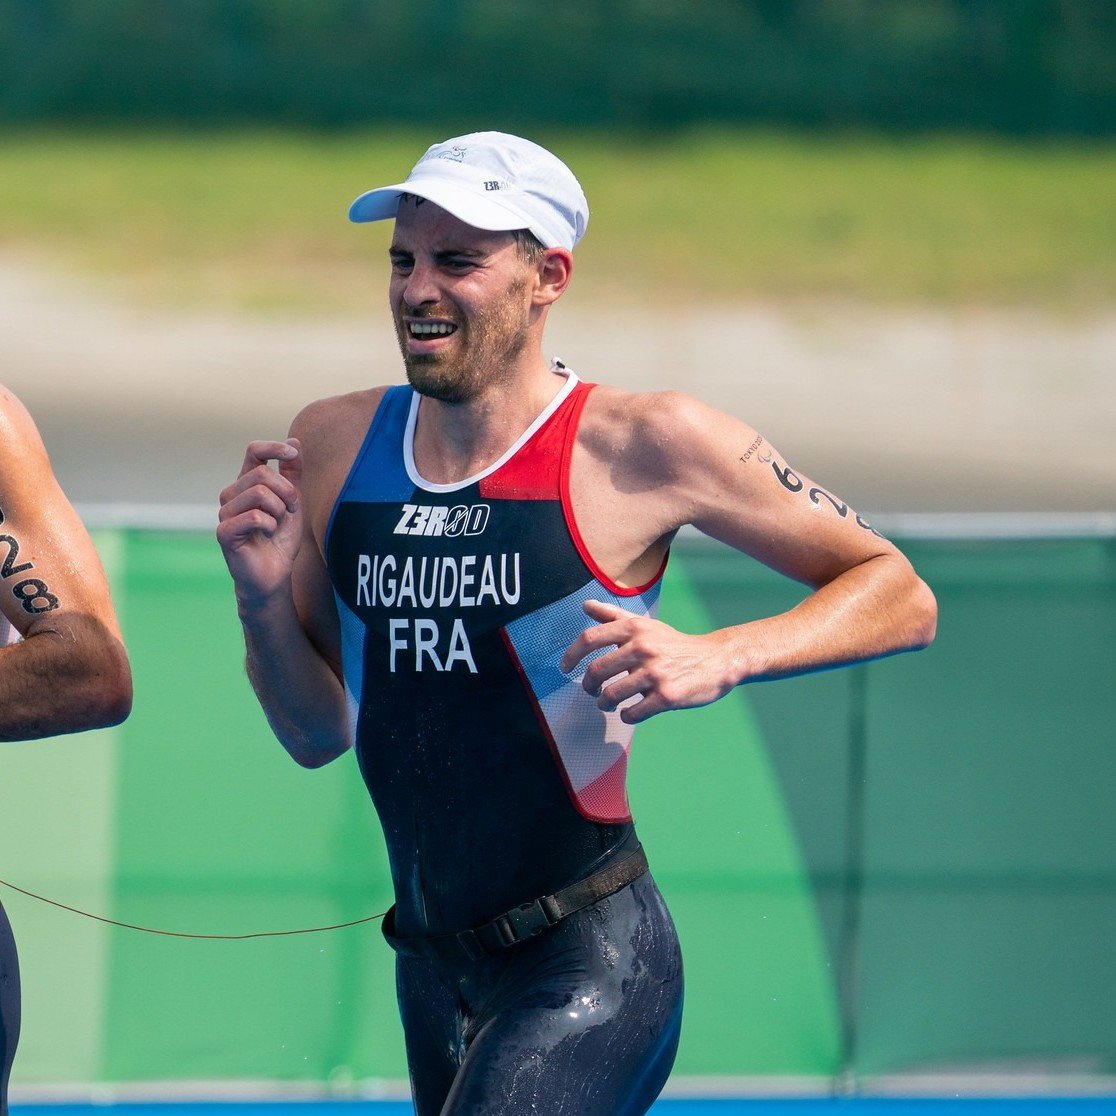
433, 1014
9, 1006
592, 1028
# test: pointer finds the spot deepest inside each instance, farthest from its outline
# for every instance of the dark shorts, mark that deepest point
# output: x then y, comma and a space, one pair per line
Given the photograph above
584, 1018
9, 1006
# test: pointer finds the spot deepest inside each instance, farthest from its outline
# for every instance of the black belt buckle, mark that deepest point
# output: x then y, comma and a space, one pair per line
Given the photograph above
528, 920
522, 922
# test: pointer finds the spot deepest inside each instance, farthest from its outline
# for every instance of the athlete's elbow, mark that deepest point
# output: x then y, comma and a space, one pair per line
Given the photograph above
101, 691
312, 761
312, 754
116, 702
922, 616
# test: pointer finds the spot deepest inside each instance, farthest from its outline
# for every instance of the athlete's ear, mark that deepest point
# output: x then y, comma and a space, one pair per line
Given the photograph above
555, 267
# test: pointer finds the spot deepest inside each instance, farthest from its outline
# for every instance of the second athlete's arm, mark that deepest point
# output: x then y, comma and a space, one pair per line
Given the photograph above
69, 670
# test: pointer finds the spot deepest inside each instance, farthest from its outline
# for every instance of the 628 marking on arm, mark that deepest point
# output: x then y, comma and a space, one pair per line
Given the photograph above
32, 593
792, 482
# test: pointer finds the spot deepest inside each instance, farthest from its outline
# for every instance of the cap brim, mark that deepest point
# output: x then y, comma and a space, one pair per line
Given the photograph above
377, 205
478, 211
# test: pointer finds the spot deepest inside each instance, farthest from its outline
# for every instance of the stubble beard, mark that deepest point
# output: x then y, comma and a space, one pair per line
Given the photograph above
490, 345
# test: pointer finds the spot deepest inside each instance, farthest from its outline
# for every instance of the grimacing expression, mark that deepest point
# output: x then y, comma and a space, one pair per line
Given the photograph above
460, 301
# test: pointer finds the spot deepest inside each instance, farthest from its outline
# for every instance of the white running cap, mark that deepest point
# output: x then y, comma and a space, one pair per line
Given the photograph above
493, 181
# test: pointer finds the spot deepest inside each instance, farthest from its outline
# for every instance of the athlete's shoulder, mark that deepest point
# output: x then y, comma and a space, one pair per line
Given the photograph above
325, 421
26, 476
330, 433
619, 422
643, 406
20, 434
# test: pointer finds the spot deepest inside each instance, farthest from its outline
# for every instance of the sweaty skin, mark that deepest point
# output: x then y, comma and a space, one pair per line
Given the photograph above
469, 310
63, 667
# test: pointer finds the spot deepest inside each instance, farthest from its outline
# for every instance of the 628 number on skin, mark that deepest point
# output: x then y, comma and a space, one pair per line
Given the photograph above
32, 592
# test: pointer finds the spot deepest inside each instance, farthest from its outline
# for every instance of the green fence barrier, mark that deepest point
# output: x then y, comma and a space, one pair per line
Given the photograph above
902, 867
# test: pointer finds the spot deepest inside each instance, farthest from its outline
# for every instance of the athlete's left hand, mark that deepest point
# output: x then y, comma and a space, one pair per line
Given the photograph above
651, 661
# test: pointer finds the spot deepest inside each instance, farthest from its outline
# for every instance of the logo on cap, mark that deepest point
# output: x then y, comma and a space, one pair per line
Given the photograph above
454, 154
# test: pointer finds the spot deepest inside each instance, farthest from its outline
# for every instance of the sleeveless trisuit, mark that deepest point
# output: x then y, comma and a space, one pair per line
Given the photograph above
496, 778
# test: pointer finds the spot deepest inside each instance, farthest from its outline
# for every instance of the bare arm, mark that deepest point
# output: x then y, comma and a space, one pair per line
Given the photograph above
698, 466
285, 604
69, 671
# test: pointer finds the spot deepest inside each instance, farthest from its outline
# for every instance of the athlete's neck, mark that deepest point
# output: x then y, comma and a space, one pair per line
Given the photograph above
455, 441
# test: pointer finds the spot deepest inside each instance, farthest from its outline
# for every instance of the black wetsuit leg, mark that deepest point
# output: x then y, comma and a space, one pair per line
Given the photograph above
584, 1018
9, 1006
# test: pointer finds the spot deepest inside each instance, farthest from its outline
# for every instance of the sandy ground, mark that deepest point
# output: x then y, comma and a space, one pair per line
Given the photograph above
922, 411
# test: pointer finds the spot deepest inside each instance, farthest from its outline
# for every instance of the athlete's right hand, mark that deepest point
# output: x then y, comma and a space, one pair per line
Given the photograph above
260, 521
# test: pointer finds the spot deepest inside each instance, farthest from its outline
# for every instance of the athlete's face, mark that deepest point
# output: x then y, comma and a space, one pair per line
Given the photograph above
460, 299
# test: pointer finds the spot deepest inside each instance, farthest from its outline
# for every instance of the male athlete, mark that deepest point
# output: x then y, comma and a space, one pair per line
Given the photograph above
458, 577
63, 667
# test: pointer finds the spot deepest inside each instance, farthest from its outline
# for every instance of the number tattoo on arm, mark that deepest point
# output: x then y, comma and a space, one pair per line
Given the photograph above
792, 482
33, 593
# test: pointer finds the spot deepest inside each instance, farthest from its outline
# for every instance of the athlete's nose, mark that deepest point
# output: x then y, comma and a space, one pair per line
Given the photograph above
420, 286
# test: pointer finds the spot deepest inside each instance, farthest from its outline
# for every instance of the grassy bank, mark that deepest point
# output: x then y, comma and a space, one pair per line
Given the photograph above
257, 220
